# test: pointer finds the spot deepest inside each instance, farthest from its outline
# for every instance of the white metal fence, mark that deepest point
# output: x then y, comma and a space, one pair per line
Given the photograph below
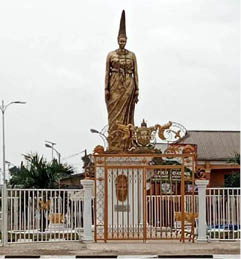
45, 215
223, 213
57, 214
163, 215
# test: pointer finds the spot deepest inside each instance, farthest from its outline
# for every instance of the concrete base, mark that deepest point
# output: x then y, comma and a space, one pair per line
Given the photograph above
87, 241
199, 240
155, 247
56, 227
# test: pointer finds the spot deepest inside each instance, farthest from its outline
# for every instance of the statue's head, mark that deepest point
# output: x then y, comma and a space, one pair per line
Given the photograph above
122, 42
122, 38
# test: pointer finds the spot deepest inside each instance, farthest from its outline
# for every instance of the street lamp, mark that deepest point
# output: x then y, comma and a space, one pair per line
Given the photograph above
101, 134
51, 145
3, 108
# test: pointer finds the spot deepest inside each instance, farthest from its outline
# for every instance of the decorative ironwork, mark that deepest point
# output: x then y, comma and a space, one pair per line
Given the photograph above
201, 174
171, 132
121, 187
144, 136
173, 149
99, 150
100, 203
133, 139
143, 193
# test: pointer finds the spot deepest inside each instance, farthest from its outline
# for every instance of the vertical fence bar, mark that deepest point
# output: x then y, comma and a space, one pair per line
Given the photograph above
112, 203
138, 204
133, 204
38, 213
75, 217
128, 203
218, 213
144, 205
106, 205
224, 211
10, 194
182, 202
122, 211
24, 215
28, 217
20, 212
65, 213
33, 215
238, 213
228, 210
210, 207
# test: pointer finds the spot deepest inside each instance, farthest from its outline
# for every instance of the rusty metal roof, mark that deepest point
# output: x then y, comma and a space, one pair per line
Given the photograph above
214, 145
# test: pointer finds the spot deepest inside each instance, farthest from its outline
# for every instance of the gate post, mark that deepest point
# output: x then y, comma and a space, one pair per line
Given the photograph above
202, 225
87, 217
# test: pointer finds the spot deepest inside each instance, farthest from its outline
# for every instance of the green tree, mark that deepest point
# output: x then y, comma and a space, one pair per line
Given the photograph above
234, 159
36, 172
233, 180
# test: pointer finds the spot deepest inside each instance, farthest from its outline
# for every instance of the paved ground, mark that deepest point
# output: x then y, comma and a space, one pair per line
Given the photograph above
124, 257
122, 248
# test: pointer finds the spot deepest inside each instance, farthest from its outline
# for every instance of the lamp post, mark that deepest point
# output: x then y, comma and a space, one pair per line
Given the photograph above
101, 134
3, 108
51, 145
47, 144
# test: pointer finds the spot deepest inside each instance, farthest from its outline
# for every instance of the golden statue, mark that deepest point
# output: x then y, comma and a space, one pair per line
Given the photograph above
121, 83
121, 96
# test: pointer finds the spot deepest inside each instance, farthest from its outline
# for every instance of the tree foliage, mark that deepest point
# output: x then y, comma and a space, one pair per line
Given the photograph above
234, 159
233, 180
36, 172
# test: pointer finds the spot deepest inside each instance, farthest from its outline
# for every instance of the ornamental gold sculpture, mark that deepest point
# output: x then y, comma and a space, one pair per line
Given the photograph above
121, 83
130, 138
121, 187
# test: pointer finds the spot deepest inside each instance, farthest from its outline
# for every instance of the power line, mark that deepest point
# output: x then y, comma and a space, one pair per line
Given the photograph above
76, 154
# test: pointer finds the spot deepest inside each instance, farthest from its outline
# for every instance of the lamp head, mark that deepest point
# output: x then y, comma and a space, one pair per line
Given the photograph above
50, 142
19, 102
94, 131
47, 145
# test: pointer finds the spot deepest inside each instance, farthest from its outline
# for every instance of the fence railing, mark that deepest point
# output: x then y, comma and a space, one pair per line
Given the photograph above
45, 215
164, 215
223, 213
165, 206
57, 214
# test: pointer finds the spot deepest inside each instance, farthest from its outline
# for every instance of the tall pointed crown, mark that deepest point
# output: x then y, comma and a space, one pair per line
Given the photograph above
143, 124
122, 29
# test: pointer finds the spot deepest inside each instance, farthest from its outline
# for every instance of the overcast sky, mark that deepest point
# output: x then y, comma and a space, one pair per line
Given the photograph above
53, 52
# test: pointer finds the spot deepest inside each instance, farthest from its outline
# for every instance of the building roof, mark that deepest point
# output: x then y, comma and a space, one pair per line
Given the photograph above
214, 145
80, 175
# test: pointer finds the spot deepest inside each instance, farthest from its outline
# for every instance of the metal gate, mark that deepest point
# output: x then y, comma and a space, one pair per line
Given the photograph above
146, 196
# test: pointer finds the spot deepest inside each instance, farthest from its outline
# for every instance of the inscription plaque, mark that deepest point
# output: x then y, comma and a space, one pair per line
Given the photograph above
124, 208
